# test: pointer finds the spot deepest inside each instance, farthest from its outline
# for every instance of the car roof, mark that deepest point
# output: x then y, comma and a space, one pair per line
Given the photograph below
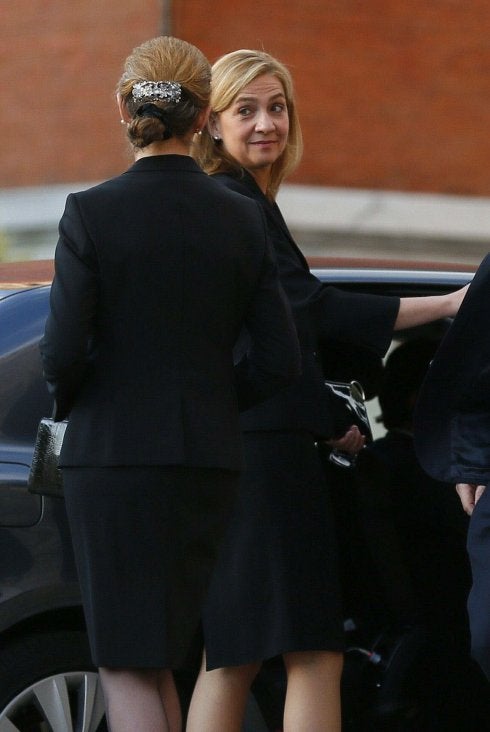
16, 276
388, 264
390, 271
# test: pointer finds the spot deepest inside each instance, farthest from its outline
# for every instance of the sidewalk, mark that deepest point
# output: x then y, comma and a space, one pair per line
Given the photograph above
324, 221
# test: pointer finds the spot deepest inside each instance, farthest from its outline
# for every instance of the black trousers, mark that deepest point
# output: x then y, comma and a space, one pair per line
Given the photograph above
479, 598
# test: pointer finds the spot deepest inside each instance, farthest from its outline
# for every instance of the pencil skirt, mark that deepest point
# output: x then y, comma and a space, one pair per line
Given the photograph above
145, 541
275, 588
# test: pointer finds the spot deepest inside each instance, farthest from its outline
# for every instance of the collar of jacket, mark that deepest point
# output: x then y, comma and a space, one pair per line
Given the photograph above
165, 162
271, 208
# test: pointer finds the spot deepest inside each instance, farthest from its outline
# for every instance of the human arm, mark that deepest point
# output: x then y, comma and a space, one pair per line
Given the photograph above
367, 319
65, 344
469, 495
371, 319
418, 310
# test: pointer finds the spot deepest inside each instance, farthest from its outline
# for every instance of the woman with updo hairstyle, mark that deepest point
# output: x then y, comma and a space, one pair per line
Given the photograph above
157, 272
171, 112
275, 590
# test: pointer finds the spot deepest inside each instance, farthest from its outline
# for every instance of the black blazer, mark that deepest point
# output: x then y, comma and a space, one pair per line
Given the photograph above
323, 315
156, 271
452, 415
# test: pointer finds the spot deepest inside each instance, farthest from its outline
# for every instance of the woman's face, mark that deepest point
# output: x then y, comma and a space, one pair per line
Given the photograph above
254, 129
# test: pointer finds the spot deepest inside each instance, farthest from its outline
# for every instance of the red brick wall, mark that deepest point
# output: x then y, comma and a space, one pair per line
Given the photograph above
59, 63
392, 94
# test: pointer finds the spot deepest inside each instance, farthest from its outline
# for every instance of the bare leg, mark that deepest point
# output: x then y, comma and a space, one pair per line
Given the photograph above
220, 697
140, 699
170, 700
313, 691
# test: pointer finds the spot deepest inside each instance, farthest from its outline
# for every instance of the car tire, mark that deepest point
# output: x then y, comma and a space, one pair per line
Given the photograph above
47, 681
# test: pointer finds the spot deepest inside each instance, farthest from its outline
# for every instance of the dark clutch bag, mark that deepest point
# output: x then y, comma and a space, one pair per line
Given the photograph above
45, 475
348, 407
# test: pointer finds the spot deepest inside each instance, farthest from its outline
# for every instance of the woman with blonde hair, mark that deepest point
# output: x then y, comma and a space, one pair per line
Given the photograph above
156, 272
275, 590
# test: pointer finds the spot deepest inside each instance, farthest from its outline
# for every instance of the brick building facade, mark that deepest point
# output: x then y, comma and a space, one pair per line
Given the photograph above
393, 96
59, 65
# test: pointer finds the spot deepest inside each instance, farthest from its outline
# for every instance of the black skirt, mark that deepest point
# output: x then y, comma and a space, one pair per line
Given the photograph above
276, 588
145, 542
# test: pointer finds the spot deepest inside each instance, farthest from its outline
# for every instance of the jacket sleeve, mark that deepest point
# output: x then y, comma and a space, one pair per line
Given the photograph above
470, 443
65, 346
361, 318
271, 350
334, 314
470, 423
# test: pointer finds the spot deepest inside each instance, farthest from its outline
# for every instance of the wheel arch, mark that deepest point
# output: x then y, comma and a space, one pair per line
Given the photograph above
52, 608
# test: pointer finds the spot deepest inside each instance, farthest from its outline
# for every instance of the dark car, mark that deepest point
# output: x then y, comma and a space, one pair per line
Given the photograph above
393, 669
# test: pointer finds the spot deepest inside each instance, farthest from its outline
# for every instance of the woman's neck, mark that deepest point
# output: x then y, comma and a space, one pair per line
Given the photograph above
174, 146
262, 177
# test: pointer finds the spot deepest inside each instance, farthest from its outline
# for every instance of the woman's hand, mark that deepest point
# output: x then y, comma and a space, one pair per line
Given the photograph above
352, 442
469, 495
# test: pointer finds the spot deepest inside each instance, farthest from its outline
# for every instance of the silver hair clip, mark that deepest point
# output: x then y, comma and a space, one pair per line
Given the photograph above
167, 91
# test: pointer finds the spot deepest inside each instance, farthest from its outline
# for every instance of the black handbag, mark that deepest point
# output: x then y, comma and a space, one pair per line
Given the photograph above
45, 475
348, 407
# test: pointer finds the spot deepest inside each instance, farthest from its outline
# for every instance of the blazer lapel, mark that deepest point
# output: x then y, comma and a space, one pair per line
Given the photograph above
274, 213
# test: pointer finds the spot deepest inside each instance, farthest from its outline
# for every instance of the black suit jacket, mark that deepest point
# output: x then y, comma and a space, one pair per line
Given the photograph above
324, 315
156, 271
452, 415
